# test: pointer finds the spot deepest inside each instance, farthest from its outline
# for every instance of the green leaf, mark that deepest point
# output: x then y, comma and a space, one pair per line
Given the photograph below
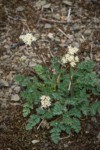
48, 114
94, 108
86, 66
54, 123
33, 120
40, 111
55, 137
55, 134
39, 69
84, 108
68, 129
76, 125
26, 109
22, 80
57, 110
75, 112
98, 109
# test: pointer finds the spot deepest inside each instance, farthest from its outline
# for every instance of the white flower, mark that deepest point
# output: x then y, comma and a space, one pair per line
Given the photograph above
76, 59
72, 50
73, 64
28, 38
67, 58
64, 60
70, 58
45, 101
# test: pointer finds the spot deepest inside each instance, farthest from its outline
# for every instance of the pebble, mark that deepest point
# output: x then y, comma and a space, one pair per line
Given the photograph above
63, 45
76, 27
20, 8
94, 119
87, 58
17, 89
98, 136
47, 26
40, 3
1, 72
87, 32
32, 64
67, 2
47, 5
35, 141
57, 16
75, 44
63, 10
4, 83
50, 35
15, 97
57, 39
23, 58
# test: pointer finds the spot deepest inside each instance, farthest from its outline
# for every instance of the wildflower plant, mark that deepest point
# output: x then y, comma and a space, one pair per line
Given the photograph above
60, 96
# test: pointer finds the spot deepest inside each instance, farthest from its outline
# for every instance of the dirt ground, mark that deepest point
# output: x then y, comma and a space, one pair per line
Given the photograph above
56, 24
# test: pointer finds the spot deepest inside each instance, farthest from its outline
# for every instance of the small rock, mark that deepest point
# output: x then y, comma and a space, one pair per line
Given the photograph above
75, 44
87, 58
57, 39
67, 2
63, 45
15, 97
35, 141
63, 10
55, 49
40, 3
98, 136
97, 57
3, 127
47, 5
20, 8
88, 128
4, 83
76, 27
94, 119
4, 103
66, 145
23, 58
10, 91
6, 46
15, 104
87, 32
17, 89
43, 2
47, 26
32, 64
51, 35
1, 72
96, 20
57, 16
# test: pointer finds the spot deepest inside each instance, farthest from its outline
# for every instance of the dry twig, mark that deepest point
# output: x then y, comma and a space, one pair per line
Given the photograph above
53, 21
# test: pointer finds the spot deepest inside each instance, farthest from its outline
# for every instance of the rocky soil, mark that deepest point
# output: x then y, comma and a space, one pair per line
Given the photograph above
56, 25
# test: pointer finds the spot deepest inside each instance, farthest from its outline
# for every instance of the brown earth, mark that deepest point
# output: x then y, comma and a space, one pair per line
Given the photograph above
49, 22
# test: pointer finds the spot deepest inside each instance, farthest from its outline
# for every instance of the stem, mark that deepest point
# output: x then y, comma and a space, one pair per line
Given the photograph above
71, 84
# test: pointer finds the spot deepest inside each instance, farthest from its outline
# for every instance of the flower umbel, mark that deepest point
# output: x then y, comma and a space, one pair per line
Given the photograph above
70, 58
45, 101
72, 50
28, 38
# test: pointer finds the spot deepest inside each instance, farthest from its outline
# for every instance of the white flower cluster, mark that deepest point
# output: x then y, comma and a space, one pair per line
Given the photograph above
45, 101
69, 57
28, 38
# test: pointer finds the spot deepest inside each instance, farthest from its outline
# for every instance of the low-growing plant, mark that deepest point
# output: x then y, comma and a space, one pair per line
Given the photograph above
60, 95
